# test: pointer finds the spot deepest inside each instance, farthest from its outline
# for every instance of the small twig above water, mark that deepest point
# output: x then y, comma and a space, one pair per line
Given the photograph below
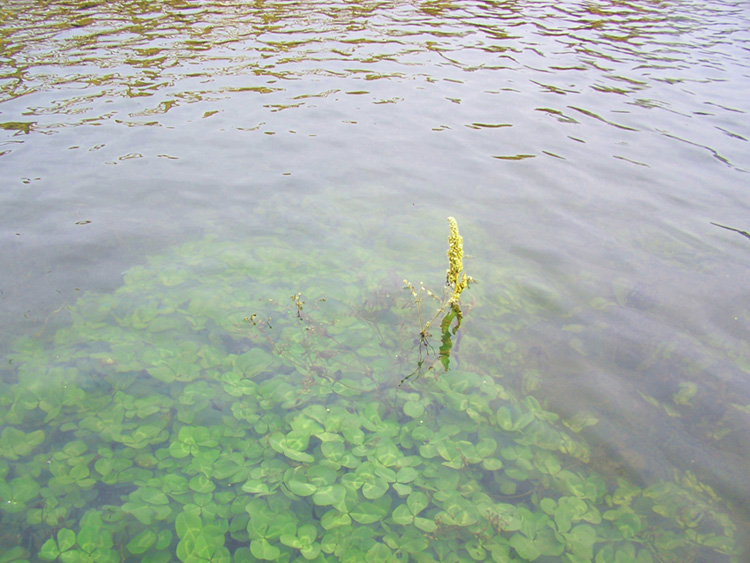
743, 233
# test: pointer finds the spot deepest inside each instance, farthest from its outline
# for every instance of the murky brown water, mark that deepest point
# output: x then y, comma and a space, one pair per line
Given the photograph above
586, 149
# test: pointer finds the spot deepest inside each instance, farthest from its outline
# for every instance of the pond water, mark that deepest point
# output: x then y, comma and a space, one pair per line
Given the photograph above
209, 210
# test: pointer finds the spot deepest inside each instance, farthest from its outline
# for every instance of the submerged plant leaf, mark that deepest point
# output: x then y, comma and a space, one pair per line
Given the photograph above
15, 443
141, 542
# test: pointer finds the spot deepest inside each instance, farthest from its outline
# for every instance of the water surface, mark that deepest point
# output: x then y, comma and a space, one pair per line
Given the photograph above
586, 149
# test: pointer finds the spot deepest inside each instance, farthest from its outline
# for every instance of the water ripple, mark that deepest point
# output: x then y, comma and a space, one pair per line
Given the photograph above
63, 61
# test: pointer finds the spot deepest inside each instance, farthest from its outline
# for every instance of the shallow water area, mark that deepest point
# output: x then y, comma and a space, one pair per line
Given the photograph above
208, 212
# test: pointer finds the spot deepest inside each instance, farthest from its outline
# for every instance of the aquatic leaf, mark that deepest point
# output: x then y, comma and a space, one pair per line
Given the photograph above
486, 447
189, 440
388, 454
625, 521
721, 544
371, 417
66, 539
174, 484
548, 505
459, 511
335, 519
89, 538
571, 482
297, 440
307, 533
104, 466
413, 409
143, 435
375, 488
417, 502
402, 515
173, 369
311, 551
15, 443
475, 550
202, 484
422, 433
281, 444
686, 393
448, 450
17, 493
549, 542
580, 540
142, 513
253, 362
523, 421
468, 452
428, 451
525, 547
49, 550
200, 542
568, 510
580, 421
425, 524
333, 450
258, 487
157, 557
492, 464
291, 540
353, 434
301, 488
141, 542
203, 461
353, 481
402, 490
329, 494
406, 475
335, 539
187, 524
321, 475
15, 554
153, 496
548, 463
369, 512
504, 419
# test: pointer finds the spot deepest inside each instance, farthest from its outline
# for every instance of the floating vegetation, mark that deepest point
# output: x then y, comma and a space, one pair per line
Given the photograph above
514, 156
198, 413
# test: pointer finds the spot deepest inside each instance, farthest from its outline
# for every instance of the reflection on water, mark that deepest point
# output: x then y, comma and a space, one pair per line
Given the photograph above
86, 64
585, 148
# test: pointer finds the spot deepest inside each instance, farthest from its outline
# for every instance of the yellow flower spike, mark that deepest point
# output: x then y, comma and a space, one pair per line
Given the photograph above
455, 253
455, 278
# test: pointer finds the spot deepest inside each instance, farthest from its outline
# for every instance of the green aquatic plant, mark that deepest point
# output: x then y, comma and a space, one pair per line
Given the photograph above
456, 278
92, 544
448, 307
160, 425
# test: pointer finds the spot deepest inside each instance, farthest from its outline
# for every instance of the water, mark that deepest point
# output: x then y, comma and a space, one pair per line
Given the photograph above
585, 149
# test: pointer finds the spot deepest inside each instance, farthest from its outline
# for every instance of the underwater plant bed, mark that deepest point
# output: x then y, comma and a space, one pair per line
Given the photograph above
214, 409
